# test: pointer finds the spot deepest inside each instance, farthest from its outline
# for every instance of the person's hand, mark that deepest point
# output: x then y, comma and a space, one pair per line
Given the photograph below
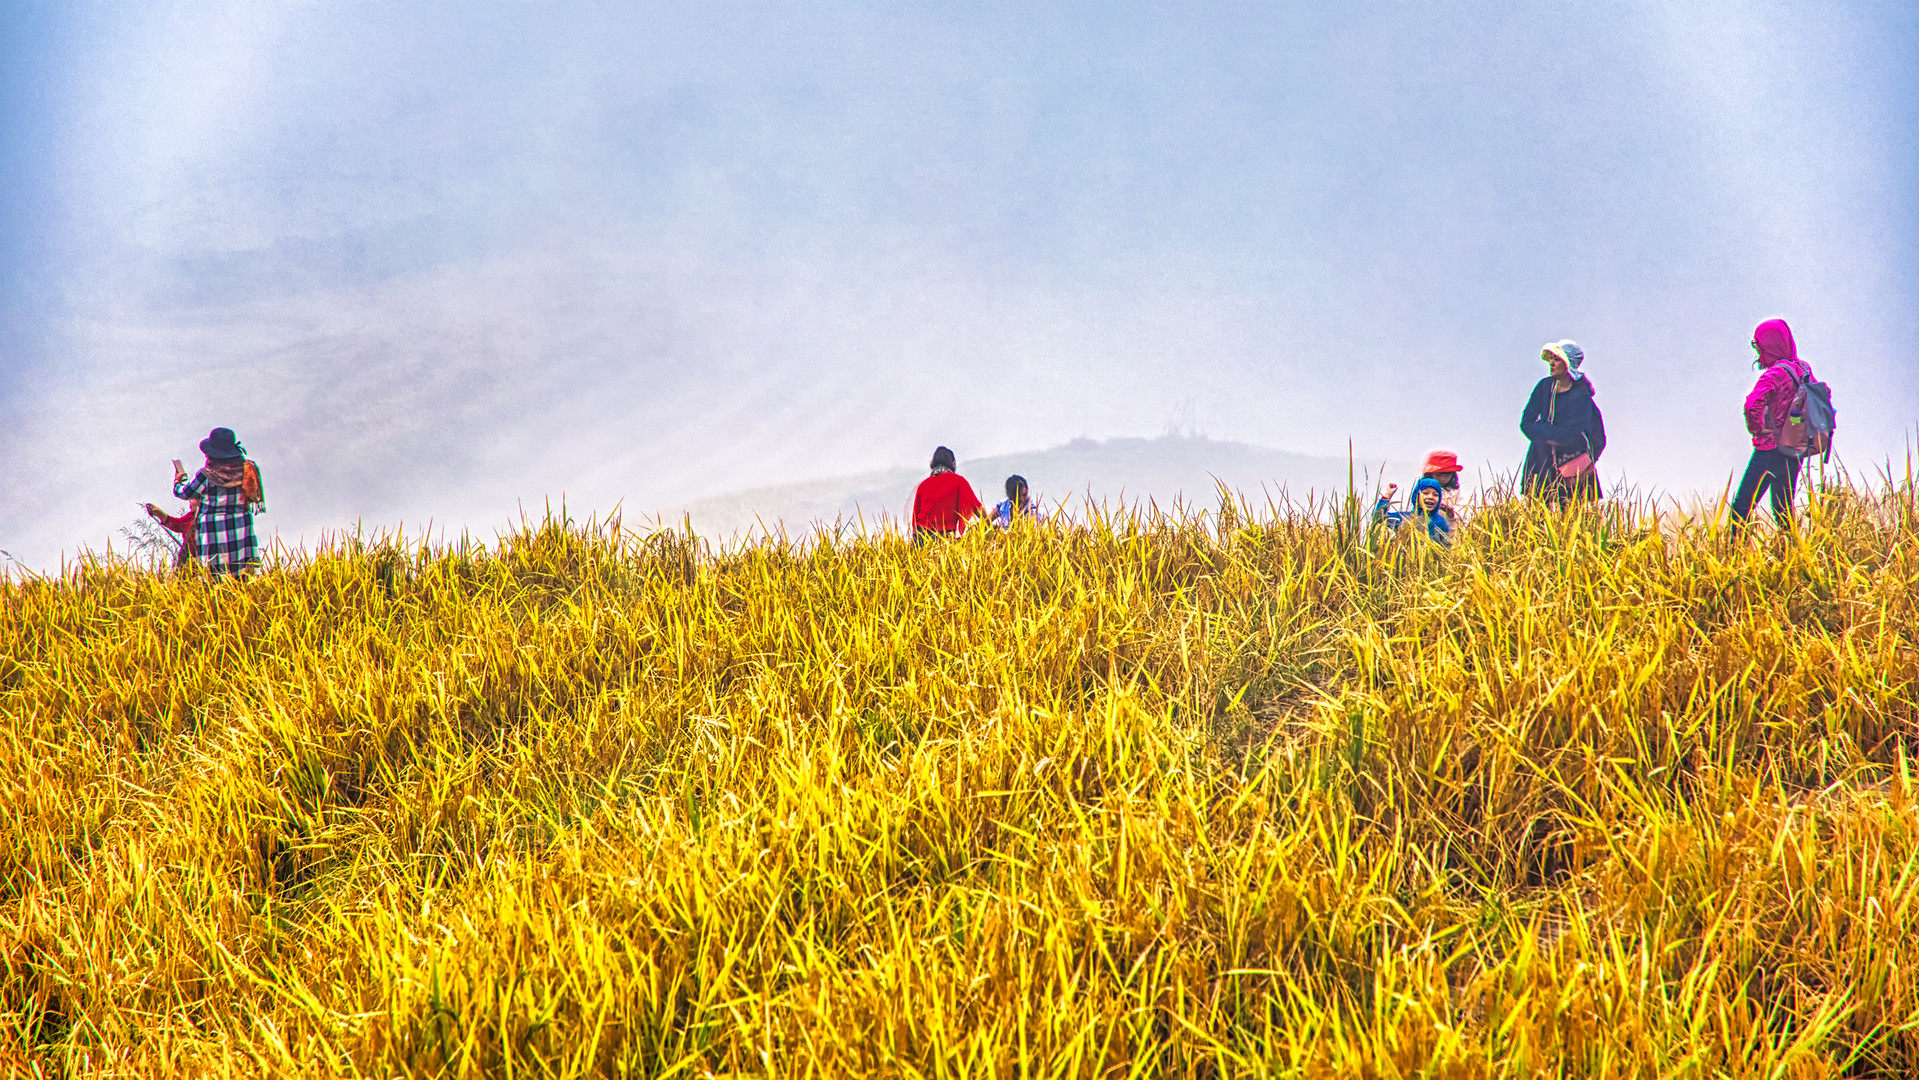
1390, 489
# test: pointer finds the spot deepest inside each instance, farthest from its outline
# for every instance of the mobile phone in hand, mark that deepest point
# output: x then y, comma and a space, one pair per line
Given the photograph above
178, 469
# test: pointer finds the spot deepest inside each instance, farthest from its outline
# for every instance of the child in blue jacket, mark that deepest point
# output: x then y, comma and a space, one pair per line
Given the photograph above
1426, 508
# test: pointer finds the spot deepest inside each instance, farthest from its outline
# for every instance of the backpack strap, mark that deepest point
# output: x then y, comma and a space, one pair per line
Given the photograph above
1800, 375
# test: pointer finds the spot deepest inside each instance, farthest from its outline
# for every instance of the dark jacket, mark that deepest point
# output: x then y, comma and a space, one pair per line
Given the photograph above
1560, 426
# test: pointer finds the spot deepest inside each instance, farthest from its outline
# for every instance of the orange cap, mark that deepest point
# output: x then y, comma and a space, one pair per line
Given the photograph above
1440, 461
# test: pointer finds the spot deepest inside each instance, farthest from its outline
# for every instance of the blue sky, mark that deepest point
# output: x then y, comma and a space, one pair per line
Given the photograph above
443, 261
28, 117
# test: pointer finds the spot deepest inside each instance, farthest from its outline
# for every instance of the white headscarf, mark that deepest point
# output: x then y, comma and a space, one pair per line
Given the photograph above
1567, 350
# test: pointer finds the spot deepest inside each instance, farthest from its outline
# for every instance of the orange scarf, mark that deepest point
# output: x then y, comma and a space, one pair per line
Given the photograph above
244, 475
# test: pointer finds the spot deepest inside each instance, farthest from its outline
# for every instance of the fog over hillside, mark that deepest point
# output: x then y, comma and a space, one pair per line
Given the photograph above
445, 263
1171, 470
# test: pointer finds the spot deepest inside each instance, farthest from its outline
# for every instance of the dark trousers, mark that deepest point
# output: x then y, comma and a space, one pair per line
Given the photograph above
1768, 469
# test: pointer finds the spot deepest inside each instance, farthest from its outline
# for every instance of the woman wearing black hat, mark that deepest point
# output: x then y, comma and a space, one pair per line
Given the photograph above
229, 493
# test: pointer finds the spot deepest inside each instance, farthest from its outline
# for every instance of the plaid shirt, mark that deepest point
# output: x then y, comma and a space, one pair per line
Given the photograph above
224, 531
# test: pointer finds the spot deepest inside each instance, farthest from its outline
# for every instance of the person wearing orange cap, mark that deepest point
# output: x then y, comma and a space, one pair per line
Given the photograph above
1442, 468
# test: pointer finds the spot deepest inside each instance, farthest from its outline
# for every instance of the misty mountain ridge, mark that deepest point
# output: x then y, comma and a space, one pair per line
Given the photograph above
1162, 471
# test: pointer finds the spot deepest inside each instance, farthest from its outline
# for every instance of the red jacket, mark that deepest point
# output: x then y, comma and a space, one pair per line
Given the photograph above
1771, 396
181, 524
943, 502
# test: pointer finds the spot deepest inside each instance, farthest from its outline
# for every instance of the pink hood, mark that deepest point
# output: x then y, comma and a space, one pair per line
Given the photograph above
1772, 393
1774, 339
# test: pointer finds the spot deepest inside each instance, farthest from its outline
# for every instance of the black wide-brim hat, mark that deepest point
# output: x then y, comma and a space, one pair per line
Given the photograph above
220, 443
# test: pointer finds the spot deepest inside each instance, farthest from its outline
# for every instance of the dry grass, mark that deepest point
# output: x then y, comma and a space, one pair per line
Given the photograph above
1248, 795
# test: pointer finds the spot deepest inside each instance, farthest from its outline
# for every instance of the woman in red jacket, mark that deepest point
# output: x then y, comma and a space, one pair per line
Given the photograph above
1781, 373
180, 525
943, 501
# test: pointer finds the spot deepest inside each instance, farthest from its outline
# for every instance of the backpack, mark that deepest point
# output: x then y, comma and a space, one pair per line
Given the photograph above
1807, 426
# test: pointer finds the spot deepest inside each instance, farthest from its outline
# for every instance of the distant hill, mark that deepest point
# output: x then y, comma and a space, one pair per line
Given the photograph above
1164, 470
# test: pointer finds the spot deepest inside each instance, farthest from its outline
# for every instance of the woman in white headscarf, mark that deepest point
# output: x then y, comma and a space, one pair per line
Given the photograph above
1563, 426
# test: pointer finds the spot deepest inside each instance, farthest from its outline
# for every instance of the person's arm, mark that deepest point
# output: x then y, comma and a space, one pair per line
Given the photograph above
966, 501
178, 523
1382, 510
1596, 435
1532, 422
1761, 395
191, 489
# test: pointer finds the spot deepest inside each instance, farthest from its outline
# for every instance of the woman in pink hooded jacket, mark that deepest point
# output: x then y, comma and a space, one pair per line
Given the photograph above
1766, 407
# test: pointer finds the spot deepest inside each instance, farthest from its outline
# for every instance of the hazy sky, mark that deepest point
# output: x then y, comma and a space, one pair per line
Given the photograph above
439, 261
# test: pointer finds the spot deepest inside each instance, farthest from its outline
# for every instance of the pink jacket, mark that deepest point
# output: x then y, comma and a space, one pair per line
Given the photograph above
1770, 398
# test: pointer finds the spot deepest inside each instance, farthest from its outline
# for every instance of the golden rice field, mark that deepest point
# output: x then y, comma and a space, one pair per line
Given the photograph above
1227, 795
